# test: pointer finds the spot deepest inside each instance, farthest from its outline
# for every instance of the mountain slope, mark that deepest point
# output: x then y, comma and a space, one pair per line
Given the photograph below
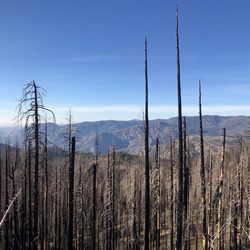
128, 135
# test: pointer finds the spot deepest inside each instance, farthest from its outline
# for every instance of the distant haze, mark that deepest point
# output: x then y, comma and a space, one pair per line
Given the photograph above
128, 135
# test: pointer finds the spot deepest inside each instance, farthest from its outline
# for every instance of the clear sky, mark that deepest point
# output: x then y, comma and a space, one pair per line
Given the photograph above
88, 55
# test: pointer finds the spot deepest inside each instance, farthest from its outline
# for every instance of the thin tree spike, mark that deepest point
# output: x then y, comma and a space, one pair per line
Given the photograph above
147, 177
179, 237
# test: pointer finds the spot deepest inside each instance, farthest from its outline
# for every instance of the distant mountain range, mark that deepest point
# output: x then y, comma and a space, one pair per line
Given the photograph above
128, 135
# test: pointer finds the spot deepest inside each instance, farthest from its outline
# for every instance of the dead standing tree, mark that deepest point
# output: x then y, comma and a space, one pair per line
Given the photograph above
179, 230
203, 178
6, 228
147, 177
185, 187
12, 177
46, 188
93, 233
238, 200
30, 110
220, 192
156, 197
171, 194
113, 212
71, 194
30, 196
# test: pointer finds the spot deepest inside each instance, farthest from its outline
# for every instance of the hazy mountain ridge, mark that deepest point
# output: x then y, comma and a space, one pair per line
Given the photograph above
128, 135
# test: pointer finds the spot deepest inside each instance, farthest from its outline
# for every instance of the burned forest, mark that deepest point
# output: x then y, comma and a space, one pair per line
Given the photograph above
175, 195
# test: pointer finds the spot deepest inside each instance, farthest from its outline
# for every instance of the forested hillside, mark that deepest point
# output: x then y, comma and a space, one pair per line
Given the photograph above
128, 135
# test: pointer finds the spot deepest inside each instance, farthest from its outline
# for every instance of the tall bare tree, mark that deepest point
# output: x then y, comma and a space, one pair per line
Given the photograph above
203, 177
185, 186
147, 175
220, 192
29, 109
179, 237
46, 193
30, 195
93, 230
71, 194
156, 197
171, 194
6, 228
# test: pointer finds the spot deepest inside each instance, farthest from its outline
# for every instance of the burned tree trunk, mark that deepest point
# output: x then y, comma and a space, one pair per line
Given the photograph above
203, 178
71, 195
15, 212
238, 206
113, 219
6, 228
156, 197
179, 237
46, 188
220, 193
211, 206
94, 166
60, 212
41, 233
23, 226
56, 214
36, 190
82, 212
107, 207
147, 177
30, 196
30, 106
185, 187
171, 195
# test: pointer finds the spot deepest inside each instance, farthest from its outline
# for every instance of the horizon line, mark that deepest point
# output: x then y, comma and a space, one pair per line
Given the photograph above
12, 125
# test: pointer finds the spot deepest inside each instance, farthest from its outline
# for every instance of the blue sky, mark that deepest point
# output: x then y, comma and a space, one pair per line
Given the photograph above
88, 55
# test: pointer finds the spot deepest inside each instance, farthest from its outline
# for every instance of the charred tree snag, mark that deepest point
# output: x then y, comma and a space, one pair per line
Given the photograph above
203, 177
220, 193
179, 237
71, 195
171, 195
185, 186
29, 110
147, 177
6, 228
94, 168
